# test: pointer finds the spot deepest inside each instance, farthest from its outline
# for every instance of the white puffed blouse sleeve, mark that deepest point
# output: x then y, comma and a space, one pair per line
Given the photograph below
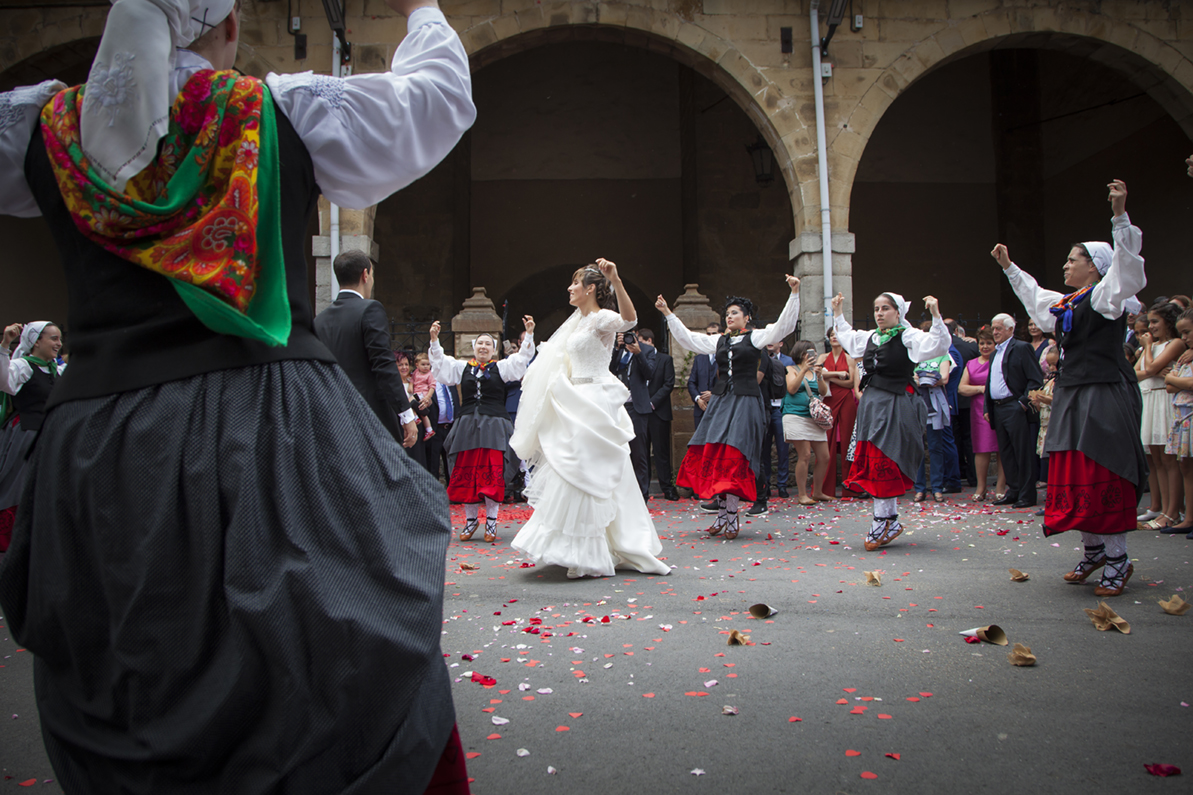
370, 135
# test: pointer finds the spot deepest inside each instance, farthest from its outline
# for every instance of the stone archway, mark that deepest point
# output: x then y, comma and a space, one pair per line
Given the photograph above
1157, 67
775, 115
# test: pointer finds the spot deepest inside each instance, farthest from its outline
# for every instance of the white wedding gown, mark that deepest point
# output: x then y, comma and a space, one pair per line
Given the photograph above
589, 516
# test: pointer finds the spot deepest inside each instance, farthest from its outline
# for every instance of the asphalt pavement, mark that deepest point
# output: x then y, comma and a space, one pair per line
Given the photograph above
622, 685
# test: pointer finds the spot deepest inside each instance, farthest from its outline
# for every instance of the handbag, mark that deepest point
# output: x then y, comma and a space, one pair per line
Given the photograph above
819, 411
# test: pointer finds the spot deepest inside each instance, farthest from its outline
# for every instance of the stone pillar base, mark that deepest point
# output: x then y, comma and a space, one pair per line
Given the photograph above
805, 254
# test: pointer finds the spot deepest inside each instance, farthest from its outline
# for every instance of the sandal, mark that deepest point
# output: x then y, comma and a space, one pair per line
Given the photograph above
1114, 586
490, 531
919, 497
730, 528
1154, 524
979, 497
1082, 570
892, 531
469, 529
938, 496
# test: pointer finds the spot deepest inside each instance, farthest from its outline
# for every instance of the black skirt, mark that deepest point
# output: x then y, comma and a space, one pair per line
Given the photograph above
232, 583
1100, 421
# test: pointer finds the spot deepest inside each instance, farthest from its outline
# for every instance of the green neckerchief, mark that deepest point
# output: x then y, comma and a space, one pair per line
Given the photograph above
885, 336
50, 365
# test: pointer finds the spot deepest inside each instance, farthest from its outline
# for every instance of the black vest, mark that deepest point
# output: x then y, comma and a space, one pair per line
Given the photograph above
1093, 349
484, 396
128, 328
30, 399
888, 367
744, 358
774, 379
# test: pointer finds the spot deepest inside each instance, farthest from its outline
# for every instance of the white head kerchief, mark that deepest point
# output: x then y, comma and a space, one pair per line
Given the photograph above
29, 336
126, 109
1101, 253
900, 304
492, 338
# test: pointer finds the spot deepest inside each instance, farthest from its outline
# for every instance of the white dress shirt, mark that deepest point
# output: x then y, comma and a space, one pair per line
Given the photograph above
450, 370
921, 345
998, 384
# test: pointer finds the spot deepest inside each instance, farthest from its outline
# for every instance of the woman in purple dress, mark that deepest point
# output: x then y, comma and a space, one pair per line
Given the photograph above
985, 442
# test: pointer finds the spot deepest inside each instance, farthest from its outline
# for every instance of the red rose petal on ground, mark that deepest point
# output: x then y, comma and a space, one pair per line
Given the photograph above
925, 695
842, 701
857, 710
493, 737
849, 689
472, 754
33, 781
868, 774
575, 714
913, 698
893, 756
488, 709
562, 729
851, 752
695, 693
648, 695
794, 719
884, 717
1161, 770
898, 640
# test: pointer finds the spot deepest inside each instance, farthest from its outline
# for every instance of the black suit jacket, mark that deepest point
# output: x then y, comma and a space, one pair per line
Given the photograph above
1021, 369
661, 384
357, 332
702, 377
636, 375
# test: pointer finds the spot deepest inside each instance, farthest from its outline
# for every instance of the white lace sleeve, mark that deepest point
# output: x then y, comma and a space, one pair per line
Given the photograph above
19, 111
696, 343
447, 370
609, 322
514, 367
1036, 300
371, 135
1126, 276
784, 325
853, 342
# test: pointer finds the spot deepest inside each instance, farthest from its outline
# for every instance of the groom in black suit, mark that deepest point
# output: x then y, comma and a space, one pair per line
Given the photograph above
1014, 372
356, 329
634, 364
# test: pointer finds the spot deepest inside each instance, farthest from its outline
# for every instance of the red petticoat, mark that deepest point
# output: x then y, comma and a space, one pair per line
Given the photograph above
876, 474
712, 469
1084, 495
7, 517
451, 774
477, 474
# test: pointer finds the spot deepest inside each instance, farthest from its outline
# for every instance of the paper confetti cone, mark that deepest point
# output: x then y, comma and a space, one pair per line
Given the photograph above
1175, 606
873, 577
1018, 576
1021, 655
1104, 618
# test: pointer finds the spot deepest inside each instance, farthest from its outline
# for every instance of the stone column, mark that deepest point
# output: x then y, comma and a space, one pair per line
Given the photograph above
356, 234
478, 316
694, 312
805, 254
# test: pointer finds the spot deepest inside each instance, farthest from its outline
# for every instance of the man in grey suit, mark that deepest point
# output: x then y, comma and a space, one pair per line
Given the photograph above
356, 329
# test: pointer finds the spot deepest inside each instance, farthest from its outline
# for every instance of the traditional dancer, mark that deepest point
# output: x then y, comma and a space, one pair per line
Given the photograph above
478, 447
25, 383
574, 430
725, 453
1096, 465
228, 572
891, 417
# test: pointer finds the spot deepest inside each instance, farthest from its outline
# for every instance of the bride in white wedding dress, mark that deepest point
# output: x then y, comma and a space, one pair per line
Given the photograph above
573, 429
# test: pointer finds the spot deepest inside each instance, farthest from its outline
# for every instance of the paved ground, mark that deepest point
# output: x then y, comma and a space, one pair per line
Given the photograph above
843, 675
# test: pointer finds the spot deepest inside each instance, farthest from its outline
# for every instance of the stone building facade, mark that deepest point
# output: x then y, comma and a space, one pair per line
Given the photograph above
619, 129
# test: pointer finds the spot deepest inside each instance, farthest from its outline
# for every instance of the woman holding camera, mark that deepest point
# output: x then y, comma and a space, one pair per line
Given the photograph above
806, 380
725, 453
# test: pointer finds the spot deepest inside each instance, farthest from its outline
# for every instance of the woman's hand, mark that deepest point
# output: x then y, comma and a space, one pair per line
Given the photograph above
528, 323
11, 333
609, 271
1118, 197
1002, 256
838, 304
1145, 341
932, 305
793, 283
435, 331
660, 304
1186, 357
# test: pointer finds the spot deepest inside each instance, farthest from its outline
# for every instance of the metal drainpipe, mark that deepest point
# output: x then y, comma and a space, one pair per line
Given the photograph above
334, 231
826, 229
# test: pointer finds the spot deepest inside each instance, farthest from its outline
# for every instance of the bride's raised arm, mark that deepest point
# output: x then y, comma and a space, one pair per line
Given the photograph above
624, 304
